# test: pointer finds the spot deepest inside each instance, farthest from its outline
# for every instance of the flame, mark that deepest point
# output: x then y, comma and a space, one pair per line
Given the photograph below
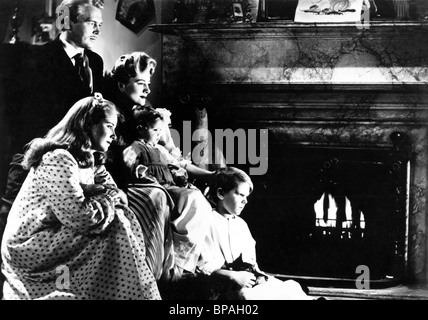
331, 214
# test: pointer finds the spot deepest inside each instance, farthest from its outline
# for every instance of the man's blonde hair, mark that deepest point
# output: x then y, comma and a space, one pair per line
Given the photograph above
77, 8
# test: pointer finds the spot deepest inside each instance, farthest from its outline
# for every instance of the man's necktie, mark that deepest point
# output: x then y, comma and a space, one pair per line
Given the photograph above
82, 66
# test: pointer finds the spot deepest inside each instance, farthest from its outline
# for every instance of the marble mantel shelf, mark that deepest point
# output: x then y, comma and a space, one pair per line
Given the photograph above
281, 29
417, 88
293, 53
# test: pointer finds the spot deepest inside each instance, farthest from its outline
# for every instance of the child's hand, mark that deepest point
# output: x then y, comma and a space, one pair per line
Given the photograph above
180, 176
117, 194
244, 279
122, 197
90, 190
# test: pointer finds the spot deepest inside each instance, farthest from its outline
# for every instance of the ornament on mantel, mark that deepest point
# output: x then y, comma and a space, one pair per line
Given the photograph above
216, 11
242, 11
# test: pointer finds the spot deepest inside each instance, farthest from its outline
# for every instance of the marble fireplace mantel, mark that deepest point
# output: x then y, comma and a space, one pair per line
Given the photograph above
323, 84
304, 53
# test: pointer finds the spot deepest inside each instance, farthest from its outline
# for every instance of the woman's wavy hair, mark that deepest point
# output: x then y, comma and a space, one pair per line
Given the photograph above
127, 66
227, 179
72, 132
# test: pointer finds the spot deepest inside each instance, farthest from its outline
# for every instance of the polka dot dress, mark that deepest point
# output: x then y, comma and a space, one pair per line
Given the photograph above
59, 244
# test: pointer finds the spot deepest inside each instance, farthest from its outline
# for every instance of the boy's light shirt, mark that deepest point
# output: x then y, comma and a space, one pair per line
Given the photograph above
228, 237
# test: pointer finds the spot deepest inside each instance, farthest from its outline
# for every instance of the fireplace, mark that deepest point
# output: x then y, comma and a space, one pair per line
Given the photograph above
340, 183
346, 115
328, 210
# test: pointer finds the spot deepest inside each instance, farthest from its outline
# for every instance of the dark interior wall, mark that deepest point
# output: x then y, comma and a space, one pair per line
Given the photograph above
28, 9
6, 11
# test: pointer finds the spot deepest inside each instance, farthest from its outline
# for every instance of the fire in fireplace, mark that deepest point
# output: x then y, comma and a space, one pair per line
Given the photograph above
324, 211
327, 219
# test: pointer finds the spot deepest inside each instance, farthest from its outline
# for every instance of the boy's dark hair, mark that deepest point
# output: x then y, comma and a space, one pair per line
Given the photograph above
227, 179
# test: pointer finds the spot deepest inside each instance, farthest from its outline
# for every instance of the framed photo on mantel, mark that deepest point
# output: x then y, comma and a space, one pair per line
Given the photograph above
271, 10
328, 11
242, 11
237, 10
319, 10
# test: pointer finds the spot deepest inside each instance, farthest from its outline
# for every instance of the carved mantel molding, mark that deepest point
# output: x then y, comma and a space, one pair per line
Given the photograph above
261, 30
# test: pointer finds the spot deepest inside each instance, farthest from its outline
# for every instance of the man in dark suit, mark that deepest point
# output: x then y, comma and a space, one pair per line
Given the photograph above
67, 69
55, 76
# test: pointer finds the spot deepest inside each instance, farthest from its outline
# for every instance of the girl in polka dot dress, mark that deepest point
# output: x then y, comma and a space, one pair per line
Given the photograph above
70, 234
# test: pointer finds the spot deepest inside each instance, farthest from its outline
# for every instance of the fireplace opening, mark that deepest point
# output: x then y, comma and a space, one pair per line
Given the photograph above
320, 212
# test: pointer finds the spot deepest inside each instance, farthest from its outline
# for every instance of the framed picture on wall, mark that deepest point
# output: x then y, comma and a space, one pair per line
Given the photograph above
135, 14
43, 30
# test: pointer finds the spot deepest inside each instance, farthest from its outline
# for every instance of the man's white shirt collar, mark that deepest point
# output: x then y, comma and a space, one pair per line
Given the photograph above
69, 49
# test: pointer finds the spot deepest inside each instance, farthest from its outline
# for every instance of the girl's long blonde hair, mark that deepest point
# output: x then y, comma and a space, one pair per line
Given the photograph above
72, 132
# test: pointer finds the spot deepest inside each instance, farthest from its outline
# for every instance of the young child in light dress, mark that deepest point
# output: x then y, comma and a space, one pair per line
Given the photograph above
148, 161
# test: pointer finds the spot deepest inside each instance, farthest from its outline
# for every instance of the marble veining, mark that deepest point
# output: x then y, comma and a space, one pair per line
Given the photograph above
294, 58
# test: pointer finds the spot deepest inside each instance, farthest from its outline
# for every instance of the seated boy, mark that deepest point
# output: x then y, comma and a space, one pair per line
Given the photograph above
228, 259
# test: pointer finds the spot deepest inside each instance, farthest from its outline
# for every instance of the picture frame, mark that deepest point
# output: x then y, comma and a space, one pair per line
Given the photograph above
272, 10
43, 27
43, 31
284, 10
327, 11
135, 14
239, 11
